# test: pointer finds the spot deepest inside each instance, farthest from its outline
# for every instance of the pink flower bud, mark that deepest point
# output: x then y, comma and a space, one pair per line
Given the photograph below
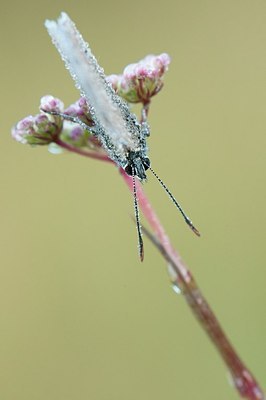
50, 103
76, 133
114, 80
36, 130
142, 80
23, 129
80, 110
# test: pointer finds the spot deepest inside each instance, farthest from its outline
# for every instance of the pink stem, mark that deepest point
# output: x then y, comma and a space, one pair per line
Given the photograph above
81, 152
244, 381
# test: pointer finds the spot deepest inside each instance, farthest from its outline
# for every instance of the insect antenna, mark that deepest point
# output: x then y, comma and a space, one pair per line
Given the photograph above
187, 220
136, 211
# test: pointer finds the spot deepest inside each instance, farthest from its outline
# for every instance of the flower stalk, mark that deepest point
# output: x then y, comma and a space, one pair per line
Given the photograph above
182, 278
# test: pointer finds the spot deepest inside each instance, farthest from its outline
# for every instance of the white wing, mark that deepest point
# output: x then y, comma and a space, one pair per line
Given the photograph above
111, 112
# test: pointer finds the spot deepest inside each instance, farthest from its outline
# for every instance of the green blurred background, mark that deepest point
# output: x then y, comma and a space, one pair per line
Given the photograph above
80, 317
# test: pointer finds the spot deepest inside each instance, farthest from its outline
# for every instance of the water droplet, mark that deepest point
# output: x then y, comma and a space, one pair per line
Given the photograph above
55, 149
230, 379
176, 288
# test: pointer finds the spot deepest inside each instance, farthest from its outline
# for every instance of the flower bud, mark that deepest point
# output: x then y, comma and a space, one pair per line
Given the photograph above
50, 103
73, 133
23, 129
80, 110
76, 133
36, 130
142, 80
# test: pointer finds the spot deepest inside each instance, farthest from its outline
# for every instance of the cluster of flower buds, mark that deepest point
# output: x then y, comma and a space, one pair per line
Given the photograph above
142, 80
45, 128
42, 128
138, 83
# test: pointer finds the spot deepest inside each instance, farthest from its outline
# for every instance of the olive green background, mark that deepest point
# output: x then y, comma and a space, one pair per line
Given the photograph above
80, 316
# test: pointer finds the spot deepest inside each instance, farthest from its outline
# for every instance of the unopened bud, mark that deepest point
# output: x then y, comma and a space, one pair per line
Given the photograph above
142, 80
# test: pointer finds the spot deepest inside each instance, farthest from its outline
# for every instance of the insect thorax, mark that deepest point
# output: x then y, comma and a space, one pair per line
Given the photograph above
129, 153
137, 164
137, 161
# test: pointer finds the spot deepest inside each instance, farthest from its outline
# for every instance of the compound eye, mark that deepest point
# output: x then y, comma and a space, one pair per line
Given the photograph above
128, 169
146, 163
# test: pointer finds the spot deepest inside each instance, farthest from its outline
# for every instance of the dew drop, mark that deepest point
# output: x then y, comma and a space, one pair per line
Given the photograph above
176, 288
54, 149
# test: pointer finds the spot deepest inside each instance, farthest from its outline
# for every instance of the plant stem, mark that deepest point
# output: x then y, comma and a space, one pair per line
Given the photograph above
145, 111
181, 277
81, 152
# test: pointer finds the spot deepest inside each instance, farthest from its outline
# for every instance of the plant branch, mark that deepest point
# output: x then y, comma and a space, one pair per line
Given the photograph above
81, 152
